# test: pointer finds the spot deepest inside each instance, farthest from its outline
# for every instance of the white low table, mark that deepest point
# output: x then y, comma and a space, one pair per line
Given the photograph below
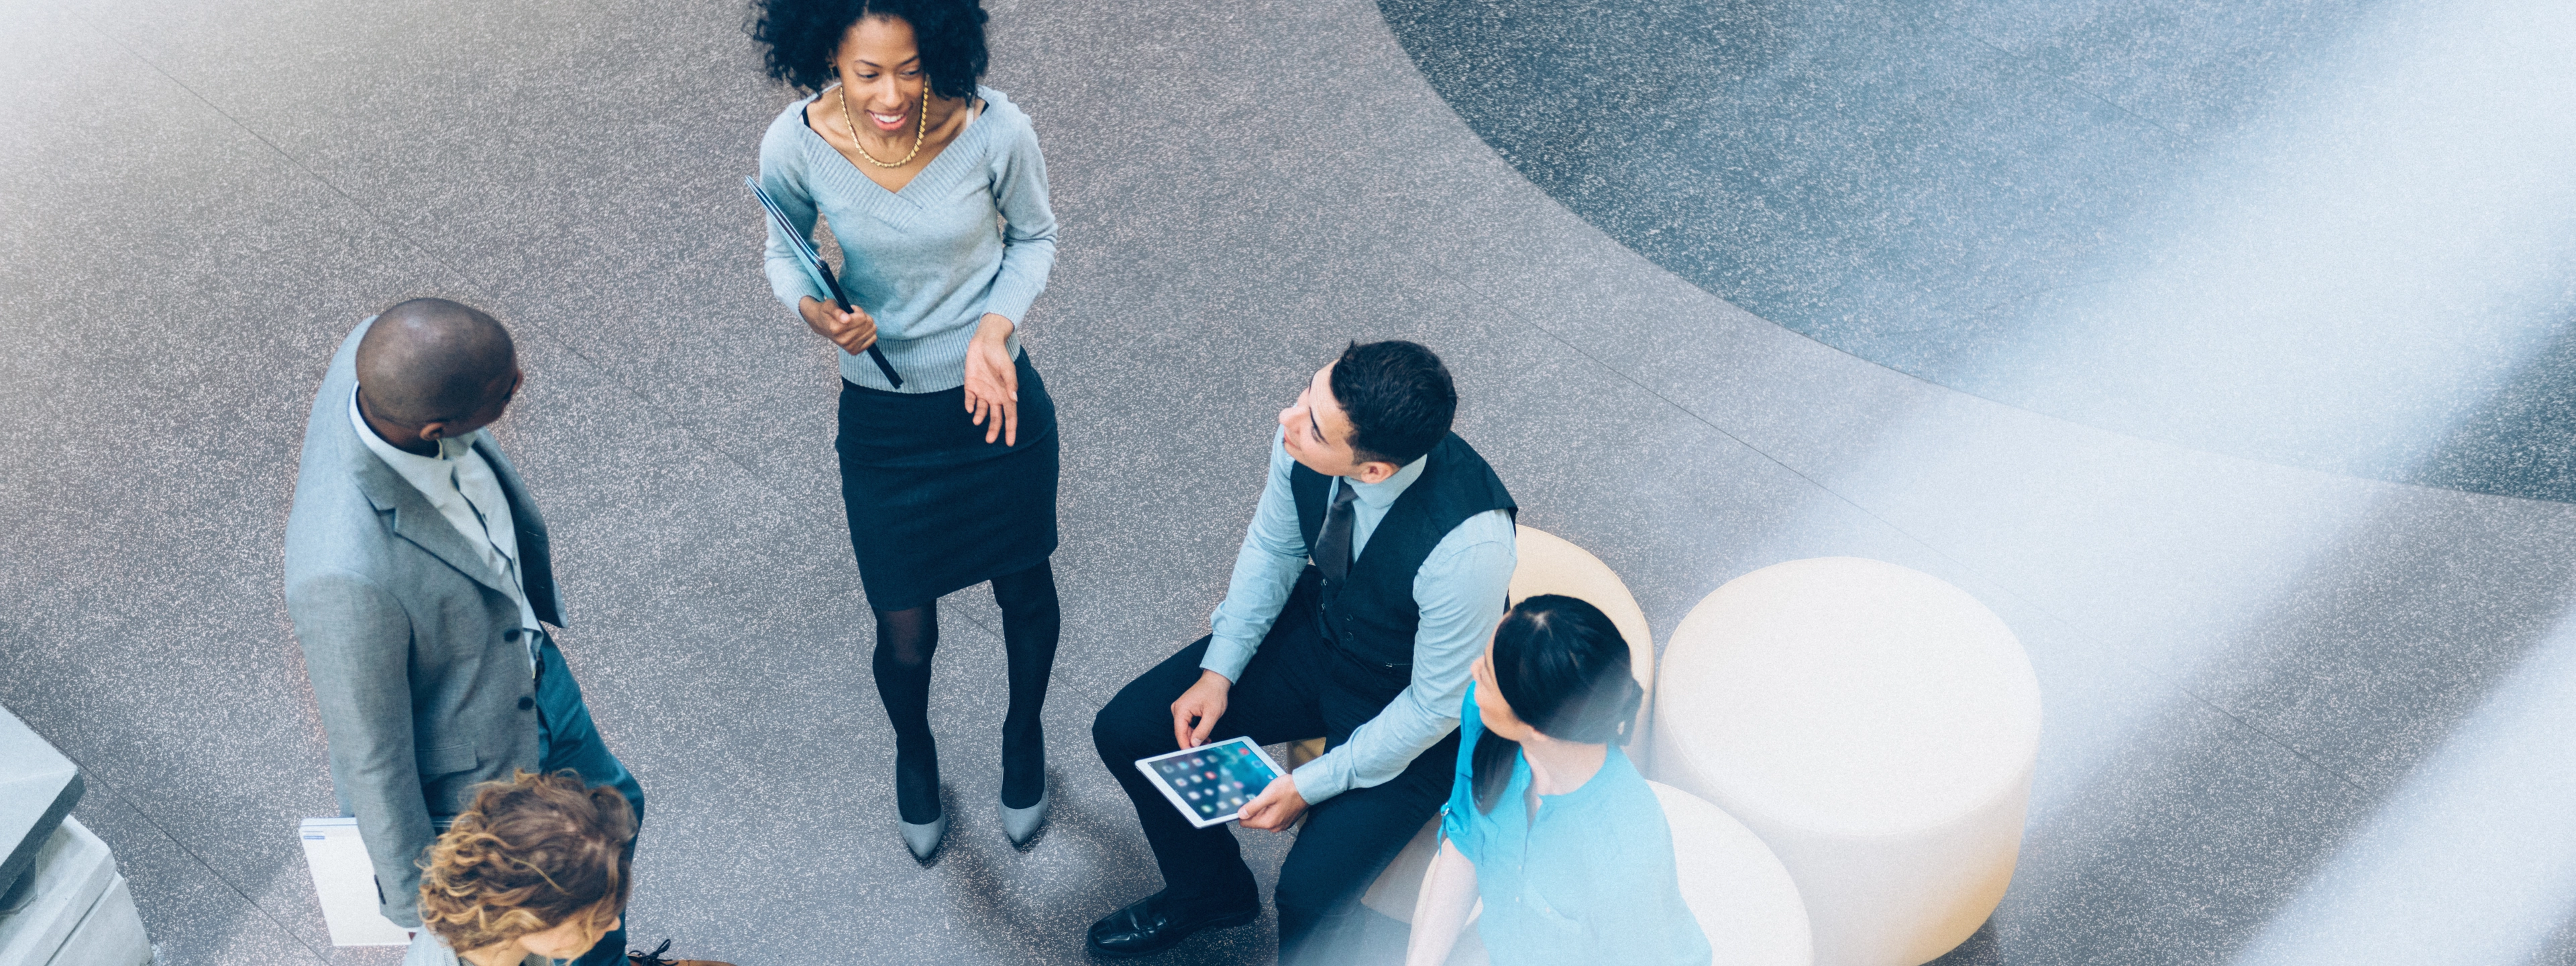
1877, 728
38, 786
74, 909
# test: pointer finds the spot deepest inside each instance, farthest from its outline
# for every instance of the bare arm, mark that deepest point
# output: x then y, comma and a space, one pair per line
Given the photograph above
1445, 908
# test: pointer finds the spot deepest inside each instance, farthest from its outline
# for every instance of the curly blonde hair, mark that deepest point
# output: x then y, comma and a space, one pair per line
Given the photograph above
530, 854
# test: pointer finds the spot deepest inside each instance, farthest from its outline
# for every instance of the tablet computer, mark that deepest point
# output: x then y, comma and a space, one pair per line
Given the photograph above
1211, 783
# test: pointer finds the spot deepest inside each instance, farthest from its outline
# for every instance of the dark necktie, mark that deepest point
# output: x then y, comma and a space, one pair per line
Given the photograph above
1333, 546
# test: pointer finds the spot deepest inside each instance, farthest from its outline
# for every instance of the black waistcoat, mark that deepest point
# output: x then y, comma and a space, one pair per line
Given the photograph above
1372, 618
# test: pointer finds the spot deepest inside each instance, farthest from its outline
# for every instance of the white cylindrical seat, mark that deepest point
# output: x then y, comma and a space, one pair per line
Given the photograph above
1877, 728
1548, 564
1744, 899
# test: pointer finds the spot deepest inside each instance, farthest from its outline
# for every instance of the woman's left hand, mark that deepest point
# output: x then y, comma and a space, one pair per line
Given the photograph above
993, 382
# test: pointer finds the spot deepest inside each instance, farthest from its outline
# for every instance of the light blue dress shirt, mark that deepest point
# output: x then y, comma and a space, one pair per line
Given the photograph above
1591, 879
1459, 590
426, 950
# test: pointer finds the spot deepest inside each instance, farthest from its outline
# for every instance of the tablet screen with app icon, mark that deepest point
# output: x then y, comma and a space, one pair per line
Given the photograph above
1211, 783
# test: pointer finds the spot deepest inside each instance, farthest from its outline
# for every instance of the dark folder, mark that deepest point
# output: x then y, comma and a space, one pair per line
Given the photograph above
817, 270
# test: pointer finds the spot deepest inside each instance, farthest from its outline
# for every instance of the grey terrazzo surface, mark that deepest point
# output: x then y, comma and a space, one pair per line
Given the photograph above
2275, 696
2124, 214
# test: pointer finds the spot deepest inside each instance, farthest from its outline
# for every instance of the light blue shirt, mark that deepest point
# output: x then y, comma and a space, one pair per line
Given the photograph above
1459, 590
1590, 880
426, 950
971, 233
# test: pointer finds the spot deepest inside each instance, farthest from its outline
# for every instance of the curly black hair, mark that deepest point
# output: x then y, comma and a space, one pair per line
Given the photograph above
800, 37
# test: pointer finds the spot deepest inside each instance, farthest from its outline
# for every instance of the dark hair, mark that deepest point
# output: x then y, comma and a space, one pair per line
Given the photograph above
1564, 669
530, 854
803, 35
1398, 398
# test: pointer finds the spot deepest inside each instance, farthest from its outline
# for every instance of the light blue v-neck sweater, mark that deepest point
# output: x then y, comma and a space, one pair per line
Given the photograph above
972, 233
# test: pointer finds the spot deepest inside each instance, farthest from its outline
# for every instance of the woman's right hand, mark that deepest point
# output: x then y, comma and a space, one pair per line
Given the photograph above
854, 331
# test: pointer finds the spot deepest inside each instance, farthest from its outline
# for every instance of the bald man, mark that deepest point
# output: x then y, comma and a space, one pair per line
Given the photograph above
418, 577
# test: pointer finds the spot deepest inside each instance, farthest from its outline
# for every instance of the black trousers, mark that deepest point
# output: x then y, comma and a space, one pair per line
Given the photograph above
1298, 686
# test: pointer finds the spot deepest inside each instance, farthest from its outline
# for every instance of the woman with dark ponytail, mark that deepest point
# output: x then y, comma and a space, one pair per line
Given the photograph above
1547, 821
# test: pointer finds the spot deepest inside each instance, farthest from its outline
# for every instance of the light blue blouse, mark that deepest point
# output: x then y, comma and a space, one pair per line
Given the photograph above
971, 233
426, 950
1591, 880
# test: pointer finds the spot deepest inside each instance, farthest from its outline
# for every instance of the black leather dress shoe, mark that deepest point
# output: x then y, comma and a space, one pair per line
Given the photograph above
1144, 927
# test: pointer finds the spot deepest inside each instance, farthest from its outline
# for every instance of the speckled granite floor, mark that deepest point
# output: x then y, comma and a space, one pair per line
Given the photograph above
2292, 716
2124, 214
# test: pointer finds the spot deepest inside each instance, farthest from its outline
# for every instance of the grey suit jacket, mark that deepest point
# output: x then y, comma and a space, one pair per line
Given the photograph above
402, 626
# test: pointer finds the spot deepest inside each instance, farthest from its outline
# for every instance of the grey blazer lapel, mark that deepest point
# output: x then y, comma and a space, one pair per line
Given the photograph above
536, 552
413, 519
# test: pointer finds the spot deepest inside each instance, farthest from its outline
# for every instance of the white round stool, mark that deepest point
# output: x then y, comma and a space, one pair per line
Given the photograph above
1877, 728
1544, 564
1746, 904
1548, 564
1745, 900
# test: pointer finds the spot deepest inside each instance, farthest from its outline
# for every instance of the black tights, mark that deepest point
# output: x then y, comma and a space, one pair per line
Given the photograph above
1031, 621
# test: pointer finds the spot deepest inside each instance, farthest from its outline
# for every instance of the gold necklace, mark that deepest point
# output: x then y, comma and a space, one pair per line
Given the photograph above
918, 130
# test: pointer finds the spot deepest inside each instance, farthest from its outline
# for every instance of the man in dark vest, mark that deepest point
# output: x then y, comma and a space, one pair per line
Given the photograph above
1374, 569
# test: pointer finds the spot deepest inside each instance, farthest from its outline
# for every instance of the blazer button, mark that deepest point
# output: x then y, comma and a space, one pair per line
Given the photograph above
525, 703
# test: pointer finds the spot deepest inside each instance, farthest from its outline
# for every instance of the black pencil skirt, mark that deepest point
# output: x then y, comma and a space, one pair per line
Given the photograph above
933, 507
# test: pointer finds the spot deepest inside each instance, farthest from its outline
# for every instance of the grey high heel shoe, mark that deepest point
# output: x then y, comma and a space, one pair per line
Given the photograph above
923, 839
1021, 824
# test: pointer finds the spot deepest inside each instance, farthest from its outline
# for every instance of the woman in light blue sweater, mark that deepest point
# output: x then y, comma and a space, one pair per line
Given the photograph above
935, 190
1547, 821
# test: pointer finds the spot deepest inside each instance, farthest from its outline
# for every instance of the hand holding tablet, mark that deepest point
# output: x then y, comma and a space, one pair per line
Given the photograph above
1211, 783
